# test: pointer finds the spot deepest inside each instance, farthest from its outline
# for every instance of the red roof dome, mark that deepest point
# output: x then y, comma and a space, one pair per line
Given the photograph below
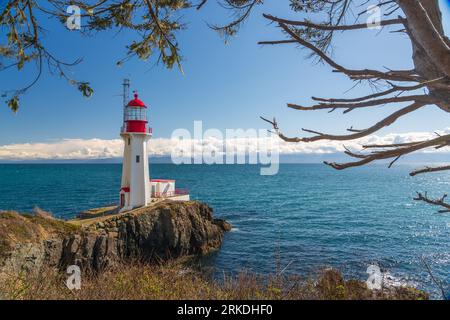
136, 102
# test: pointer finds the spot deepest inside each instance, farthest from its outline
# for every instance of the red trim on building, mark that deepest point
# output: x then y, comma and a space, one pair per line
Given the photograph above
161, 180
125, 189
136, 126
177, 192
180, 192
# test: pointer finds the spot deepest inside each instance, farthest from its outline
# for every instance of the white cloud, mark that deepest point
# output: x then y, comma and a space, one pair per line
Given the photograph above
84, 149
63, 149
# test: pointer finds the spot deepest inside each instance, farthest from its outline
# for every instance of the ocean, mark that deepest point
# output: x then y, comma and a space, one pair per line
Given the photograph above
306, 217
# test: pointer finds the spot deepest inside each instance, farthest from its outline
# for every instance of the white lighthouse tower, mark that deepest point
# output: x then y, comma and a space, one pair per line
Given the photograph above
135, 186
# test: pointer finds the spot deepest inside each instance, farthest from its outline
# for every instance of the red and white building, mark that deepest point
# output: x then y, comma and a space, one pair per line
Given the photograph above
137, 189
165, 188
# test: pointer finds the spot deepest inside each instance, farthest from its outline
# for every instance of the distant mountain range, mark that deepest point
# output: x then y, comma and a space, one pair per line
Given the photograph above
289, 158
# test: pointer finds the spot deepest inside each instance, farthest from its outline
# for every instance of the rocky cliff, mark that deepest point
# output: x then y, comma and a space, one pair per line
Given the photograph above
162, 231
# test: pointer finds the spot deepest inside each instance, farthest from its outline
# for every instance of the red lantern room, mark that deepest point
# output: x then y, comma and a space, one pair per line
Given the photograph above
136, 116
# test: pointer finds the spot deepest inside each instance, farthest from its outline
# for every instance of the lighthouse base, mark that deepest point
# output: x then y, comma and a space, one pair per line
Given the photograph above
184, 197
124, 209
181, 198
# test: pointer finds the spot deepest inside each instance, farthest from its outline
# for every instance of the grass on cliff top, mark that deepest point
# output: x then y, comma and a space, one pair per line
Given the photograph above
29, 228
92, 216
175, 281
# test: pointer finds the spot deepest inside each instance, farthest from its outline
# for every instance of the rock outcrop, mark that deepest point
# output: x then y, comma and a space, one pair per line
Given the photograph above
162, 231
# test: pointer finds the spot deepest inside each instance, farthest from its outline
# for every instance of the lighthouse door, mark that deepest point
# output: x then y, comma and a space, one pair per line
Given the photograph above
122, 199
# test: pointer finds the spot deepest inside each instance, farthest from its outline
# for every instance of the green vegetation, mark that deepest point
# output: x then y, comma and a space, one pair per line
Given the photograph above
154, 23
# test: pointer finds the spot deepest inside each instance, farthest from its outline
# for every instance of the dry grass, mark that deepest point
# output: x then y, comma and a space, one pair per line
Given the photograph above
170, 280
175, 281
29, 228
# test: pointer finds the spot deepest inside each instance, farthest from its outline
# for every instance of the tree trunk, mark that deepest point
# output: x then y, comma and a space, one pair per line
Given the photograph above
430, 46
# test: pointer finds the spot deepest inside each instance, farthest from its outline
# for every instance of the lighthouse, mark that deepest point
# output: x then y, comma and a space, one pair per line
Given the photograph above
135, 188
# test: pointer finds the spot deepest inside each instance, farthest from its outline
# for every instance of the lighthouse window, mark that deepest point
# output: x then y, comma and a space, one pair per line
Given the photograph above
138, 158
129, 140
136, 114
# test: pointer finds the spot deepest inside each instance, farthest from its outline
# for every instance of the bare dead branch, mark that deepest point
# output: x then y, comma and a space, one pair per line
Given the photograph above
329, 27
380, 4
404, 149
358, 134
429, 169
365, 132
436, 281
353, 74
394, 145
370, 103
422, 23
394, 161
392, 10
437, 202
201, 4
274, 42
394, 88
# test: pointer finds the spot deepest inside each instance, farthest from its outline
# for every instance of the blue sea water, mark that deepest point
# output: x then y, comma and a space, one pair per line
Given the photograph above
306, 217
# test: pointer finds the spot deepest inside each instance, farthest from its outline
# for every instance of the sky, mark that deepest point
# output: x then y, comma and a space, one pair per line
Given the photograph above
225, 85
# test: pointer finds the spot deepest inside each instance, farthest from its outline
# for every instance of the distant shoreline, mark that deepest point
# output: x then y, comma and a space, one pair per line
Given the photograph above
415, 159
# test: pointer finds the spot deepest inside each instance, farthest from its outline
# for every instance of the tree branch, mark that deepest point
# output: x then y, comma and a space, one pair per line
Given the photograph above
429, 169
437, 202
404, 149
201, 4
353, 74
364, 104
276, 42
328, 27
231, 28
395, 88
358, 133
